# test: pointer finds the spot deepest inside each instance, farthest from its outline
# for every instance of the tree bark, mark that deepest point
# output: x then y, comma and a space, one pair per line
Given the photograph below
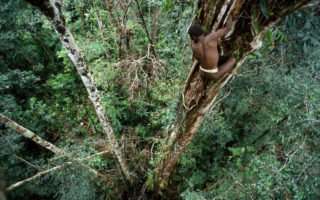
126, 32
53, 13
251, 20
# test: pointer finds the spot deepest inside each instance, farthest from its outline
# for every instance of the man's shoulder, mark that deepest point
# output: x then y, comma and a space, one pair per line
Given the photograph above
197, 50
211, 39
211, 35
196, 46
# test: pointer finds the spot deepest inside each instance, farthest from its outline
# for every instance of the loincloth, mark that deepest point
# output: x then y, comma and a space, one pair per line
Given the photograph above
211, 71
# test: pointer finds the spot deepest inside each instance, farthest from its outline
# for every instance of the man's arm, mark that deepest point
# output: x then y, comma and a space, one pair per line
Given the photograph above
223, 31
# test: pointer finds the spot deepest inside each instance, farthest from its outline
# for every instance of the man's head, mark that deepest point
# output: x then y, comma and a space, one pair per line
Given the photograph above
195, 31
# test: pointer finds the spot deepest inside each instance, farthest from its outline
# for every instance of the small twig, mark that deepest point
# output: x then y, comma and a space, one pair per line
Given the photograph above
25, 161
225, 96
239, 183
304, 169
146, 29
193, 15
289, 158
13, 186
144, 187
97, 154
303, 120
308, 6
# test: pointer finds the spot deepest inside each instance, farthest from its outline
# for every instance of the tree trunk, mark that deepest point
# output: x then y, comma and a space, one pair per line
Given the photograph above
151, 43
126, 32
251, 20
53, 13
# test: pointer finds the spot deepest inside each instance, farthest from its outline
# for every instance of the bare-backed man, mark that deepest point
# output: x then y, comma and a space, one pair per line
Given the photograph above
206, 52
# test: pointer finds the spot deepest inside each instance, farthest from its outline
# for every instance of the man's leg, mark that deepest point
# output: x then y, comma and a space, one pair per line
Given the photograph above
224, 68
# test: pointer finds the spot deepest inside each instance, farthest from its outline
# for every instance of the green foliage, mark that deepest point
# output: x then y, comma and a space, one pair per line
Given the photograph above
260, 143
168, 6
74, 186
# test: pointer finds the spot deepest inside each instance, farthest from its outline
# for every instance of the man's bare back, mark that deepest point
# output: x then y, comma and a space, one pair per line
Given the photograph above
206, 52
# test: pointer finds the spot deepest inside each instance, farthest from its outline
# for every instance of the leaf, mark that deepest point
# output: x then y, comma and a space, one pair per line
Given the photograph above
265, 8
269, 36
255, 21
257, 53
307, 24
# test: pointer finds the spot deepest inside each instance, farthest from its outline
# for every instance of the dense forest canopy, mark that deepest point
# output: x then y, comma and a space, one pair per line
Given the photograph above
96, 101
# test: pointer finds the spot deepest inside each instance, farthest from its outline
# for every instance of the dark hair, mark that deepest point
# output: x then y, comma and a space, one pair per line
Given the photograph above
195, 30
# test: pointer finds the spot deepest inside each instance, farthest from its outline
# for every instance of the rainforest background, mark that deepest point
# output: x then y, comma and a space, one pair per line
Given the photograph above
262, 143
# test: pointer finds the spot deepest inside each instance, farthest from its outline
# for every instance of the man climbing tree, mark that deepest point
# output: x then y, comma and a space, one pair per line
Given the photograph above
205, 50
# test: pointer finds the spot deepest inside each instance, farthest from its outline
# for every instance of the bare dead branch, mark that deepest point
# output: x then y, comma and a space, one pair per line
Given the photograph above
308, 6
13, 186
221, 14
25, 161
29, 134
